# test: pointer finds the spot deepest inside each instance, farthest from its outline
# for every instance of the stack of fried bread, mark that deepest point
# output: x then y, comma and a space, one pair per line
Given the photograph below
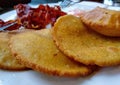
85, 45
68, 49
37, 50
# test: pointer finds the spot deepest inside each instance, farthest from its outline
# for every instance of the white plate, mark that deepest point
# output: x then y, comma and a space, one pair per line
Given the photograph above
106, 76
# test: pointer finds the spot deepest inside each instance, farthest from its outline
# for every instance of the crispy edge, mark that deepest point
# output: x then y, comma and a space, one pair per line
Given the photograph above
108, 30
3, 67
91, 69
104, 64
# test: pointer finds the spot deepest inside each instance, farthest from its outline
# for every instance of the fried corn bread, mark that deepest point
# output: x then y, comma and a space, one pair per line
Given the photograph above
37, 50
7, 60
103, 21
84, 45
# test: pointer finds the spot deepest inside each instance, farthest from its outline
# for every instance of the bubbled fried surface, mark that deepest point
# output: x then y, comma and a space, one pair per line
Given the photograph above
37, 50
7, 60
103, 21
85, 45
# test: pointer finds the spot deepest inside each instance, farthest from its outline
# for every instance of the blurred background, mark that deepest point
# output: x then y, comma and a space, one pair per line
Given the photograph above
6, 5
11, 3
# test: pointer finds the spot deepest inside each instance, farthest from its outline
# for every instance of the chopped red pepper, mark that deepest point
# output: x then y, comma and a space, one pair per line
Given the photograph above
37, 18
33, 18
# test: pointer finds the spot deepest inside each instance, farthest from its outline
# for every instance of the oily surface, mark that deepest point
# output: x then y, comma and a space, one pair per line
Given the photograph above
37, 50
84, 45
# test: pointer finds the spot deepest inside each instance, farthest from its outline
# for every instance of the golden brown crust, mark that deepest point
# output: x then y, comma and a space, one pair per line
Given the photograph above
7, 60
103, 21
36, 50
84, 45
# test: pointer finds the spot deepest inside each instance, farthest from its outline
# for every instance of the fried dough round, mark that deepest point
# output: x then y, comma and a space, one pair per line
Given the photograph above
37, 50
85, 45
7, 60
103, 21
